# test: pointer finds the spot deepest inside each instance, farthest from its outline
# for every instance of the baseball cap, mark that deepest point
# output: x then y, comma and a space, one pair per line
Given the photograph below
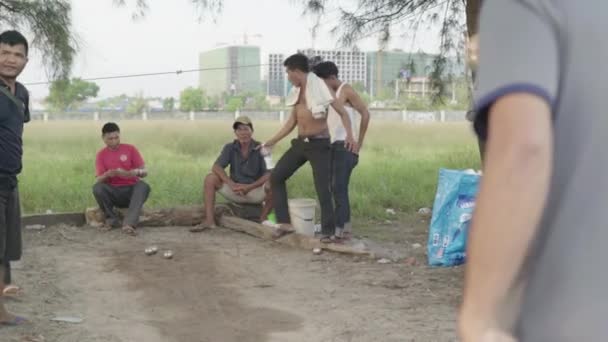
242, 120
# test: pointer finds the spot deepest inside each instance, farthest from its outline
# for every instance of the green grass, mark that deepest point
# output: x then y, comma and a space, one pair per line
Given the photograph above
398, 165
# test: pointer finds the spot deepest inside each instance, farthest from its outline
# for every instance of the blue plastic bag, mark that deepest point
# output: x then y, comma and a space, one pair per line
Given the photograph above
452, 213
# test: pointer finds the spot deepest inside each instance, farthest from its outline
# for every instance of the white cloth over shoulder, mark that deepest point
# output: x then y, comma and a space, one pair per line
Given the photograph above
318, 96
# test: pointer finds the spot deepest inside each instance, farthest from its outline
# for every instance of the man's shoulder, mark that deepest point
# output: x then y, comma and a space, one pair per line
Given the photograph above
129, 147
229, 145
102, 151
21, 87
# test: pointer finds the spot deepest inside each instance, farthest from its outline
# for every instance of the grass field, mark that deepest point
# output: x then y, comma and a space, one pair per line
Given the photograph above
398, 165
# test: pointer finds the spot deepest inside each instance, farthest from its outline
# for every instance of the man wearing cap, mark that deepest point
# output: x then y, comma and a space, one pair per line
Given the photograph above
248, 175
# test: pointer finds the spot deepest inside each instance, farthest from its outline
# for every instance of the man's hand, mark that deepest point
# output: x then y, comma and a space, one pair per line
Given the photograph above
242, 189
111, 173
123, 173
351, 145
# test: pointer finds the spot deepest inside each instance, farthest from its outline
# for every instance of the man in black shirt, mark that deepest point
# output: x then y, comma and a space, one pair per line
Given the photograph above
247, 183
14, 111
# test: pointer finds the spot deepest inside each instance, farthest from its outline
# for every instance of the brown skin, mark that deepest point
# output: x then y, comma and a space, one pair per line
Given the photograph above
13, 60
302, 118
112, 141
518, 161
218, 176
349, 96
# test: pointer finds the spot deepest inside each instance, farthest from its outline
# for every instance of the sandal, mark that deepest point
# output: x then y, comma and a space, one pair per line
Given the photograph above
282, 231
330, 239
14, 322
202, 227
11, 291
129, 230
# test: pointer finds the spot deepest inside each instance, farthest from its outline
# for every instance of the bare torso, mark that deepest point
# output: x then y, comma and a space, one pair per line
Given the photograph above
308, 126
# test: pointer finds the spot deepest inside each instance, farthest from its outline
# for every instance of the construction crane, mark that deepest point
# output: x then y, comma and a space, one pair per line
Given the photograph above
246, 37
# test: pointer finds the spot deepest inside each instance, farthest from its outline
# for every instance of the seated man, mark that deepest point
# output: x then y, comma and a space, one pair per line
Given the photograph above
119, 168
248, 175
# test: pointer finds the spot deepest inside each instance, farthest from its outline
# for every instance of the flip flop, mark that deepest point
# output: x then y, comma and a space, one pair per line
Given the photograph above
280, 232
14, 322
331, 239
201, 228
105, 228
129, 230
11, 291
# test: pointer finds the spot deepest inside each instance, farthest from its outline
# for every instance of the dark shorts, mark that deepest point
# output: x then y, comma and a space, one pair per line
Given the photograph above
10, 224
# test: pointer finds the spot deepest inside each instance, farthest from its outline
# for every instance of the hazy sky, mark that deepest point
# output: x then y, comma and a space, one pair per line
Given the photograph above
170, 38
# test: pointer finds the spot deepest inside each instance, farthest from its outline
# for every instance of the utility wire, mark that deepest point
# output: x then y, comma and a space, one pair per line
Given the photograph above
177, 72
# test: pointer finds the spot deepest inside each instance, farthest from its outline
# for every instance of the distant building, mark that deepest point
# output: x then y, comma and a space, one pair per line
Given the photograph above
351, 64
276, 75
233, 70
384, 67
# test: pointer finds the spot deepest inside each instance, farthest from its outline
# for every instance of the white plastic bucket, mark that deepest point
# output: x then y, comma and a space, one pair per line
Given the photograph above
302, 212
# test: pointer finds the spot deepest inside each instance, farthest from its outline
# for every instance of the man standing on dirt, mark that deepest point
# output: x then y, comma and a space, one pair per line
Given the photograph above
119, 169
14, 111
537, 245
343, 161
247, 183
309, 114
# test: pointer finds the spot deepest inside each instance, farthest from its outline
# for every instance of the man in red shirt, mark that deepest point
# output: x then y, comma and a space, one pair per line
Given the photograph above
119, 168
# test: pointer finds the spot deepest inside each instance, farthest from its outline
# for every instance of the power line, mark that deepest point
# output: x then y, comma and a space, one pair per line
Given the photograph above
176, 72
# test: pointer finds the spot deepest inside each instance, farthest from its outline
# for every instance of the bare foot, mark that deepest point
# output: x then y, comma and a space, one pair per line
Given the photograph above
11, 291
129, 230
7, 318
105, 227
202, 227
282, 231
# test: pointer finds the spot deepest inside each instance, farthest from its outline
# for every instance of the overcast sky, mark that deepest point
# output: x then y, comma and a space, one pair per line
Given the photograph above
170, 38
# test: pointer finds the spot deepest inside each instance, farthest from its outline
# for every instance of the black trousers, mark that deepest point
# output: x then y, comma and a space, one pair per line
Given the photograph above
318, 153
132, 197
10, 229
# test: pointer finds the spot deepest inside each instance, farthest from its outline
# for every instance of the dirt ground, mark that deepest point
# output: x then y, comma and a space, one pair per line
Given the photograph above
223, 286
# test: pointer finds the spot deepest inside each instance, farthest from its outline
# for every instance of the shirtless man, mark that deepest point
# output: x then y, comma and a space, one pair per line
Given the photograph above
312, 145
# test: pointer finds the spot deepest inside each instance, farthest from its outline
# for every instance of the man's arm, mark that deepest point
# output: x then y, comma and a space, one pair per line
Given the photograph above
105, 176
360, 106
287, 128
221, 173
101, 173
338, 105
258, 183
511, 200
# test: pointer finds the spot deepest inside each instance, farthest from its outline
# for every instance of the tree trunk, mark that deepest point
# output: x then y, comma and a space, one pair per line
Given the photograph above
473, 8
472, 12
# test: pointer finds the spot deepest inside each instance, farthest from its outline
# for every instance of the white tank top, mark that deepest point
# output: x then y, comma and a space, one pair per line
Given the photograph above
334, 122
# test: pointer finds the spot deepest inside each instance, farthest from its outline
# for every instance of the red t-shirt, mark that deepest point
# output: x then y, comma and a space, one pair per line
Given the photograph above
126, 157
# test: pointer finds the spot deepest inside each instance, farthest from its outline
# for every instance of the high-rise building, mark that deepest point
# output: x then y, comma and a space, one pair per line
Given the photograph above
231, 70
276, 75
351, 64
384, 67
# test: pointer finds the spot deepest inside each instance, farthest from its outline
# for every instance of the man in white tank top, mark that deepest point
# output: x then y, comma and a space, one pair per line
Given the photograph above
343, 160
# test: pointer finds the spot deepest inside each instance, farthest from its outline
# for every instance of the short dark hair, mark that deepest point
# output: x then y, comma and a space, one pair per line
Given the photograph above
110, 127
13, 38
325, 69
297, 62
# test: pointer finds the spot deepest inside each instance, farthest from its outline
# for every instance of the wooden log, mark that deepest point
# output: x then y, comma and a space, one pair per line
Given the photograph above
193, 215
179, 216
294, 240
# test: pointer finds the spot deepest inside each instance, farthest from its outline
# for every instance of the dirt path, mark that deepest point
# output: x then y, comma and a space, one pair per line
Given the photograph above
222, 286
